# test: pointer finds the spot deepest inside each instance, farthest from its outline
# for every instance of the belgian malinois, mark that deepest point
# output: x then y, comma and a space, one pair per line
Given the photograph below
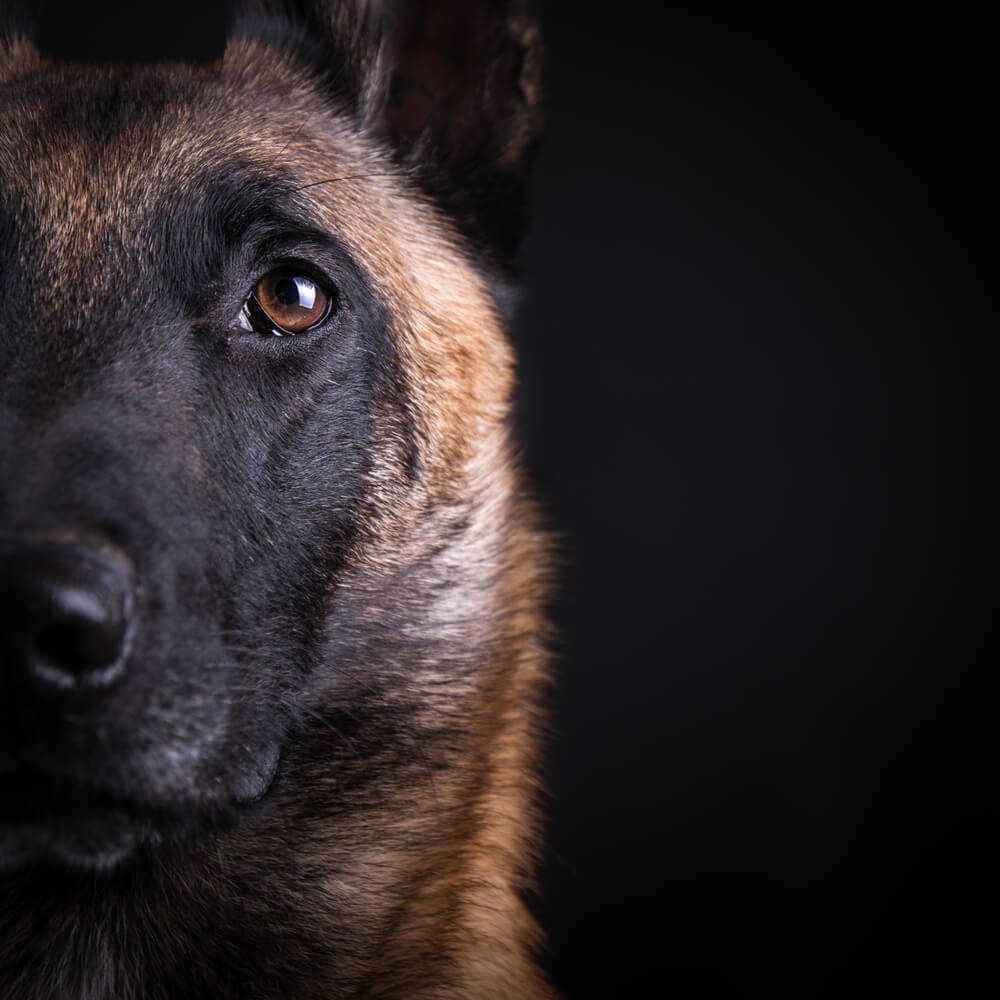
271, 647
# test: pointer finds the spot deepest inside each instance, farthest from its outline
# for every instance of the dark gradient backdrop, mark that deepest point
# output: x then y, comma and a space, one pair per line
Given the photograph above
754, 405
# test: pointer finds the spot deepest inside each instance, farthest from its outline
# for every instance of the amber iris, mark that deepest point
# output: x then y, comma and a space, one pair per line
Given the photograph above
286, 301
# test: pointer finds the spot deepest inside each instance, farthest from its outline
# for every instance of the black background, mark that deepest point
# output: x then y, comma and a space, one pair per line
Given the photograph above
754, 404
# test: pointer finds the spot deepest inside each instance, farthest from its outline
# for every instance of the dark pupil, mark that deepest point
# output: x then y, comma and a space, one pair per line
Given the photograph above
286, 291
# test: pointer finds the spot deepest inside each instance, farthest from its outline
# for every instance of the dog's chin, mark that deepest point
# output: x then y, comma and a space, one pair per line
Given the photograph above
45, 820
95, 842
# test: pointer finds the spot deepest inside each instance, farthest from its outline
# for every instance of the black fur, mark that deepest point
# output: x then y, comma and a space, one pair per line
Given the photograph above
121, 400
218, 819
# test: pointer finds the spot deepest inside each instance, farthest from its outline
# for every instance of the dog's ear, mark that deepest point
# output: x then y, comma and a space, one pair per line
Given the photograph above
465, 104
454, 86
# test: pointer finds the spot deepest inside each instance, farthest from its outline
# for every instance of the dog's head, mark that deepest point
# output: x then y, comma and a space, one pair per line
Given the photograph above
253, 403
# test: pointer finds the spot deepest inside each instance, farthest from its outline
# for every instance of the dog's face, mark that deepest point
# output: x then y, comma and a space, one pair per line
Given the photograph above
253, 386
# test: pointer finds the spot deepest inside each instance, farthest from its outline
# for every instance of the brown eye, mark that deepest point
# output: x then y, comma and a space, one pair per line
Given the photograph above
285, 301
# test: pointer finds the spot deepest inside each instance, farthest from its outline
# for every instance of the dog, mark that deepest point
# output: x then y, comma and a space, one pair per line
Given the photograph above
272, 585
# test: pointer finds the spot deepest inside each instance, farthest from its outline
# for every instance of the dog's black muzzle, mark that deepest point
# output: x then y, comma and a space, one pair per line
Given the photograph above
66, 624
138, 698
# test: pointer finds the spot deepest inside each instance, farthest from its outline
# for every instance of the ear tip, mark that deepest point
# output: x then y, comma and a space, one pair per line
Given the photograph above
17, 41
16, 22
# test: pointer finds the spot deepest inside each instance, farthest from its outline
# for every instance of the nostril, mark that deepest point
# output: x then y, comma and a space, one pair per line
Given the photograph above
88, 636
65, 614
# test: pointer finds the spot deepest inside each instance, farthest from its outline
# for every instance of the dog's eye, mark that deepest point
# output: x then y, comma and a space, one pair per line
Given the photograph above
284, 302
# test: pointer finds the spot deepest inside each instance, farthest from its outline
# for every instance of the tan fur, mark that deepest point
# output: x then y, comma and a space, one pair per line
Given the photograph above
456, 904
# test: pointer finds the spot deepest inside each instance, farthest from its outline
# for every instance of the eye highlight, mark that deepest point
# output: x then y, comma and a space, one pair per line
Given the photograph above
286, 301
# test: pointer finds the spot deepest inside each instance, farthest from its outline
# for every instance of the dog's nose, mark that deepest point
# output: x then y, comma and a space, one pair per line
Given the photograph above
65, 615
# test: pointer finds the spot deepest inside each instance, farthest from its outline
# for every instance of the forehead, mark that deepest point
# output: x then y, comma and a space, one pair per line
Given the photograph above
86, 151
130, 168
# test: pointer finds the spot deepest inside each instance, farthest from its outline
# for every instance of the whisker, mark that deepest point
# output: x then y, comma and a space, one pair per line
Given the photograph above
354, 680
345, 177
281, 152
346, 740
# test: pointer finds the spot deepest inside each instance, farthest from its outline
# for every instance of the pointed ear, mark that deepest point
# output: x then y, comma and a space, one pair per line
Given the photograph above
465, 104
454, 87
